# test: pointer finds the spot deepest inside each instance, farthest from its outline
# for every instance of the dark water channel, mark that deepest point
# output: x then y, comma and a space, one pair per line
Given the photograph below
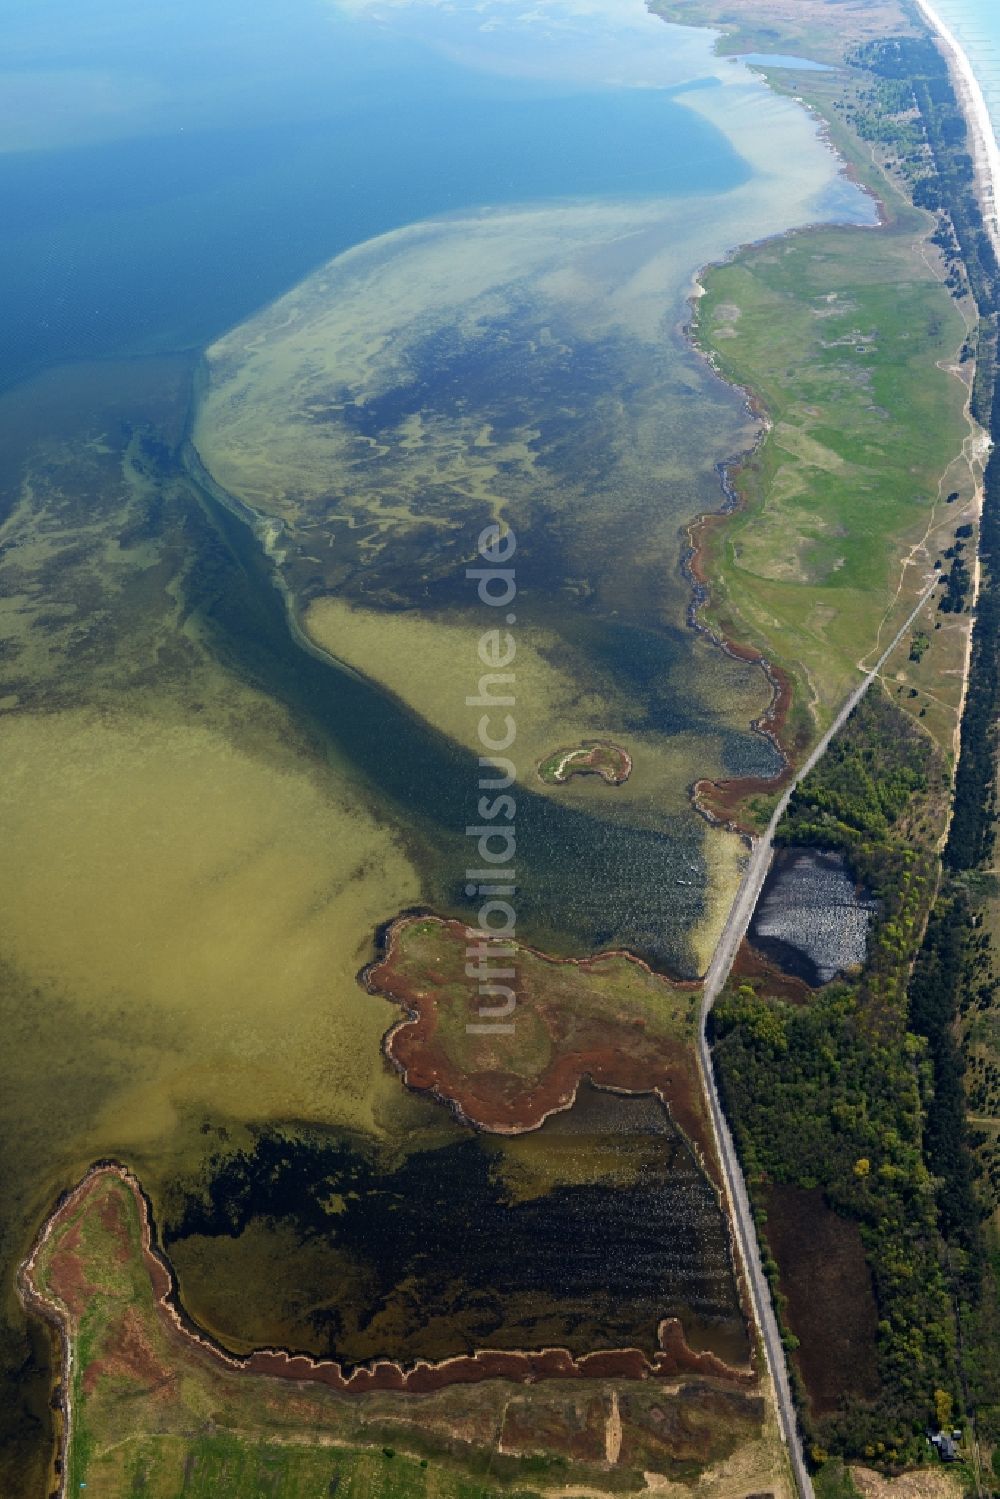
583, 1235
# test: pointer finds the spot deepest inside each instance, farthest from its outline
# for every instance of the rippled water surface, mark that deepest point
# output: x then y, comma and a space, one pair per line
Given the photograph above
811, 917
582, 1236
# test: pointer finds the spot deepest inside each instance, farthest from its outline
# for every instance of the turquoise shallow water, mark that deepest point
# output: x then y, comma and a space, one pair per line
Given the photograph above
976, 24
783, 60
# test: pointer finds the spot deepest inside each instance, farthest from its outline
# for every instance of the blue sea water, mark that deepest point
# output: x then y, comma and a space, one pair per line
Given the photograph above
170, 168
976, 25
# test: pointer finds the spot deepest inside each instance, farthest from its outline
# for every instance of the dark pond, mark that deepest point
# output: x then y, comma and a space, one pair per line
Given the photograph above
812, 919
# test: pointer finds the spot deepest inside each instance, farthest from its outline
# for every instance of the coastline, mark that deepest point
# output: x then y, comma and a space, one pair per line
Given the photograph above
724, 802
985, 150
986, 168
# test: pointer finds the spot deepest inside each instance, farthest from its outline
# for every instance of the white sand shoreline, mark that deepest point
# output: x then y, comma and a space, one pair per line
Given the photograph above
983, 143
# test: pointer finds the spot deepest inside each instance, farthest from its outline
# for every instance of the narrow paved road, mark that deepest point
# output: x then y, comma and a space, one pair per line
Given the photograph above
718, 971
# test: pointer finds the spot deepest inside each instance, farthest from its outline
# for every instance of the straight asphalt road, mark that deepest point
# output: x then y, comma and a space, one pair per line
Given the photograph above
722, 961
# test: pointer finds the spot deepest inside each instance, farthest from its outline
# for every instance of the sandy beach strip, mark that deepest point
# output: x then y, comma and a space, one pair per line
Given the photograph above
985, 151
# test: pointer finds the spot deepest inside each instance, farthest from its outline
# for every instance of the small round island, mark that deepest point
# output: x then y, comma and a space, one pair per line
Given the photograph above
593, 757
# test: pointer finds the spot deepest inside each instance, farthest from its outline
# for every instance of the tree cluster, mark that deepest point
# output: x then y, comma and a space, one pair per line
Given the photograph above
832, 1094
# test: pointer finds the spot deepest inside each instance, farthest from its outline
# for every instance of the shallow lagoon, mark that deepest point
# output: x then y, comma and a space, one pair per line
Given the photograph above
583, 1235
529, 363
218, 819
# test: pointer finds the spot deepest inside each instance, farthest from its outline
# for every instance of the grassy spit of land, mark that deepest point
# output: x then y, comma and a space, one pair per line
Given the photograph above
867, 1113
851, 345
855, 352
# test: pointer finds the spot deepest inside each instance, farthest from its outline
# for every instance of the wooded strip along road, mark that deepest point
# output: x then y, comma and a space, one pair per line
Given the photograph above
718, 971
